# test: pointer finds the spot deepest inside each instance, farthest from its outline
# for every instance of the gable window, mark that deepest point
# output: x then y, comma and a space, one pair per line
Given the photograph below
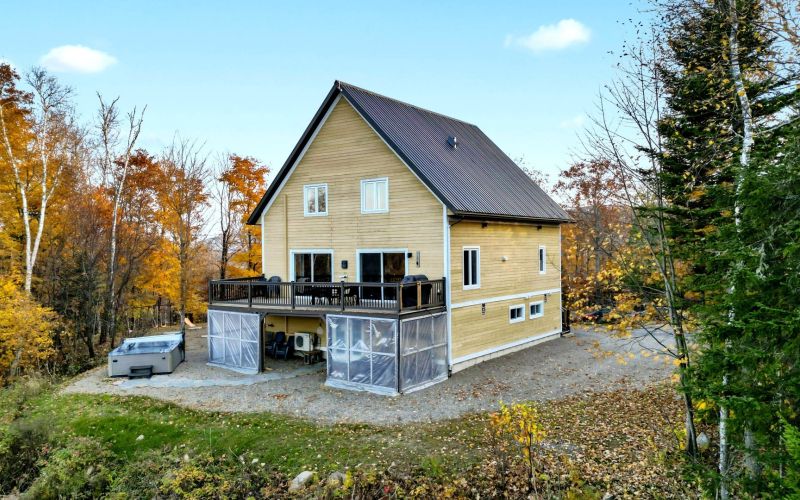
537, 309
315, 198
374, 196
542, 260
516, 313
472, 268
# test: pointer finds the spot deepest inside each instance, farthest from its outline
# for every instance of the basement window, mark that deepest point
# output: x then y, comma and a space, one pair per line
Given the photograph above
537, 309
516, 313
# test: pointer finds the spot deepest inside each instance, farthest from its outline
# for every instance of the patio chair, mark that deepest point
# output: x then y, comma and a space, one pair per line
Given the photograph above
283, 348
278, 338
274, 291
410, 290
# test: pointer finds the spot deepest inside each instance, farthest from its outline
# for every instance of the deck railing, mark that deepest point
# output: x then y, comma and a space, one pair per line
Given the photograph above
331, 296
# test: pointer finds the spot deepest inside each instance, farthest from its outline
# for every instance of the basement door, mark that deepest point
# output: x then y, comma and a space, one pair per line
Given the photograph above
234, 340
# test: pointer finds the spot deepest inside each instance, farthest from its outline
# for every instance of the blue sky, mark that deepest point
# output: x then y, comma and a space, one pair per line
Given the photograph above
247, 77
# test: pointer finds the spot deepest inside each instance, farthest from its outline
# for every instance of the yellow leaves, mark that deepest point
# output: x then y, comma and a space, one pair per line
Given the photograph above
25, 330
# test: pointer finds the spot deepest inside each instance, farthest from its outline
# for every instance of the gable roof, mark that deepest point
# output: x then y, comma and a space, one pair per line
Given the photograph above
474, 179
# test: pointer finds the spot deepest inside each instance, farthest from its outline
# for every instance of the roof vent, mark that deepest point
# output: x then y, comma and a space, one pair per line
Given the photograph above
453, 142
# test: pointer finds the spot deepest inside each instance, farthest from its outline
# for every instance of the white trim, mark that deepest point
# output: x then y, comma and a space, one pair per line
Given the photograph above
302, 154
294, 251
315, 187
377, 181
381, 251
501, 298
477, 285
540, 303
543, 259
560, 274
522, 315
448, 285
510, 345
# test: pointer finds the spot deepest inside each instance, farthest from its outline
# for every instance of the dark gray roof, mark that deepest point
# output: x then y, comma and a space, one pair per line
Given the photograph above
474, 179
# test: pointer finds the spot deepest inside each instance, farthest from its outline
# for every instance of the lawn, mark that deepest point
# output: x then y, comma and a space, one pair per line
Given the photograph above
619, 441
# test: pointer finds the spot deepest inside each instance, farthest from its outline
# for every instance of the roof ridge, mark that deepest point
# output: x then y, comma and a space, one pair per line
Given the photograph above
404, 103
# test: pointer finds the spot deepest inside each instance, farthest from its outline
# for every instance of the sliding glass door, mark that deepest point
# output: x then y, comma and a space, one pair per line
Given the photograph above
381, 267
313, 267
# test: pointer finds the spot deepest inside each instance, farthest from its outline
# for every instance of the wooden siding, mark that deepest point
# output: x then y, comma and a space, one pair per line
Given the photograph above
345, 151
519, 274
473, 331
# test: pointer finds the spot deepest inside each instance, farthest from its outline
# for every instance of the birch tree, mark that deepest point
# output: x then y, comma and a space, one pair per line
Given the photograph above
52, 146
115, 160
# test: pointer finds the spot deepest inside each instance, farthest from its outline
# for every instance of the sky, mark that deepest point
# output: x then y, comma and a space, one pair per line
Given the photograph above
247, 77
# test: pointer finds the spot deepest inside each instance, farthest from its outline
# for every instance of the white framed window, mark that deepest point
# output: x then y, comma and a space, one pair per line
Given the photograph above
536, 309
516, 313
315, 199
375, 196
472, 268
542, 259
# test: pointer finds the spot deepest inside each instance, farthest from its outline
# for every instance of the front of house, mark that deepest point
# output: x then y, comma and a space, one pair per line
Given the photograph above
405, 241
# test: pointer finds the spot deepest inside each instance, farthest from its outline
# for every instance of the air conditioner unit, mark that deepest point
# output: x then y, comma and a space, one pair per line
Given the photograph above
304, 341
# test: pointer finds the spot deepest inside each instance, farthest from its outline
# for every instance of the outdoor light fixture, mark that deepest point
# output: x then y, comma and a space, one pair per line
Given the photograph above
419, 254
504, 258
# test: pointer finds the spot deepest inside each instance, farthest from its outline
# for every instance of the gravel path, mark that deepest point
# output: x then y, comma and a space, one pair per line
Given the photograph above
551, 370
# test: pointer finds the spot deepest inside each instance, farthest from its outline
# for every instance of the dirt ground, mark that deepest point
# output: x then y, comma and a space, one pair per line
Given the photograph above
587, 362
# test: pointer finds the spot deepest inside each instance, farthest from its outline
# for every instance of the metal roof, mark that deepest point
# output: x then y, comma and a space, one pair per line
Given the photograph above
473, 179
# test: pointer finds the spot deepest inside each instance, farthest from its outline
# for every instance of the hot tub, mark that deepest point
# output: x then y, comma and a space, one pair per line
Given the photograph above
161, 353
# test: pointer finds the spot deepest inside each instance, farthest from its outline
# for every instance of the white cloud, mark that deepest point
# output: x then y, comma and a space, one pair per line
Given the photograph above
78, 59
574, 122
563, 34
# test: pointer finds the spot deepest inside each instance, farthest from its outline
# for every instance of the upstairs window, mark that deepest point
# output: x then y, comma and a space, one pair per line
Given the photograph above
542, 260
374, 196
472, 268
316, 199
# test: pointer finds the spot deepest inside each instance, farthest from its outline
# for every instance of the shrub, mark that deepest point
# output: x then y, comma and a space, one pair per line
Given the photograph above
22, 446
82, 469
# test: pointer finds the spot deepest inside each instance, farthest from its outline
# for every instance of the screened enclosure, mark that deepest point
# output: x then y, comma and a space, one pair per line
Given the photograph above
384, 355
423, 351
234, 340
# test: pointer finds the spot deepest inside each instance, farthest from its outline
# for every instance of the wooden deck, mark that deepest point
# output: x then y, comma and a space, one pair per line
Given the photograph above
304, 298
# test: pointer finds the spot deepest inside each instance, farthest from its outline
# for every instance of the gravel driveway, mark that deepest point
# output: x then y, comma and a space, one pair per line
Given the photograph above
551, 370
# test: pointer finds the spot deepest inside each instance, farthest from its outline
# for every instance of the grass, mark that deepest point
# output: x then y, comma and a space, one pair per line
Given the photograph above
289, 444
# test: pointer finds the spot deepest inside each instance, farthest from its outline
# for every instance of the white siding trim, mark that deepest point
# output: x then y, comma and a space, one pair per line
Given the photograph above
501, 298
448, 285
487, 352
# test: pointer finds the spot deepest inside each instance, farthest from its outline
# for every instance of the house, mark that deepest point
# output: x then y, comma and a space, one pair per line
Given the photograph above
405, 241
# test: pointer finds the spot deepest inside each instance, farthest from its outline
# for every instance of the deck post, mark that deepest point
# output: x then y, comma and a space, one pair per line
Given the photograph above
419, 295
292, 293
210, 296
399, 296
249, 294
341, 294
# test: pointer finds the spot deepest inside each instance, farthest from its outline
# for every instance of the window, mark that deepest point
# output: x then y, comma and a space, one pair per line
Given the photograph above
472, 268
316, 199
516, 313
311, 267
375, 196
542, 259
537, 309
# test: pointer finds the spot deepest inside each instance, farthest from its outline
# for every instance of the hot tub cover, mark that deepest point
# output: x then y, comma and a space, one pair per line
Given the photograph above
148, 345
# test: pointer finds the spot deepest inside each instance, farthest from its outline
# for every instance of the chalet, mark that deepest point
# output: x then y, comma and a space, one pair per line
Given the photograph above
400, 245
